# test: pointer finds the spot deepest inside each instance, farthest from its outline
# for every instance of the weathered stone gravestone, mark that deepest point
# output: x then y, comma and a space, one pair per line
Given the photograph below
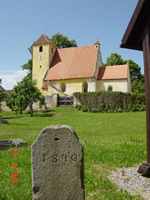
57, 165
18, 143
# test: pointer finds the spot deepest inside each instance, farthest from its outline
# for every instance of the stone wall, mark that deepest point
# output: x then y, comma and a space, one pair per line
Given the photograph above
4, 107
51, 102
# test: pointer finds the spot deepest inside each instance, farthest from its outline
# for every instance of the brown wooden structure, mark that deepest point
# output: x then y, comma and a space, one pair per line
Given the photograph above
137, 36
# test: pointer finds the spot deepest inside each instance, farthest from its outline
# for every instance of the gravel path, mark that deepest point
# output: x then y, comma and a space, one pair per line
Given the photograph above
134, 183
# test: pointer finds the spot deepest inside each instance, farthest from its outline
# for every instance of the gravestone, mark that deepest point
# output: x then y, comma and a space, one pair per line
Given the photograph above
57, 165
18, 143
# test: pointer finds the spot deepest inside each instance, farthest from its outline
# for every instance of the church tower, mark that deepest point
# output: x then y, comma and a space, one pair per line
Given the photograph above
43, 51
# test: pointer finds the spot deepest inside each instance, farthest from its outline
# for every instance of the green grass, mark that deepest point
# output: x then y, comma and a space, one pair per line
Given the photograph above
111, 140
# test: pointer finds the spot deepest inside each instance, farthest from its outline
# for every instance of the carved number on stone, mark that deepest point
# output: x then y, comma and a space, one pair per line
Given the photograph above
64, 157
55, 158
74, 157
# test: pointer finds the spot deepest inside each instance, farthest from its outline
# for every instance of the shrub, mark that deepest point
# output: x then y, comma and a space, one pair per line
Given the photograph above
110, 102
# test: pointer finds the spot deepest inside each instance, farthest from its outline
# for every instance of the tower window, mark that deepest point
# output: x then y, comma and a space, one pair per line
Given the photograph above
85, 87
51, 50
40, 48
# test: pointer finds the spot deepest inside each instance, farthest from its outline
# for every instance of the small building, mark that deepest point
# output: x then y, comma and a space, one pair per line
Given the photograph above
75, 69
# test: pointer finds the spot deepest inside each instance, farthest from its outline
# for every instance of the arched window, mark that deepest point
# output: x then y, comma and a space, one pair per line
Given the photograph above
40, 48
63, 88
110, 88
85, 87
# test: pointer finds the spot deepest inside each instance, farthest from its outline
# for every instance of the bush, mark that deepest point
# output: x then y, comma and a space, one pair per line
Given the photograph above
109, 102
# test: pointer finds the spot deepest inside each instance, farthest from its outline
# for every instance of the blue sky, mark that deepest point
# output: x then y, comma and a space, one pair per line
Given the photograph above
22, 23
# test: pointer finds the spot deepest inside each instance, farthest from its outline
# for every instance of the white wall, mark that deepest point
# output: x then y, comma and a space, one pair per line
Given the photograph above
118, 85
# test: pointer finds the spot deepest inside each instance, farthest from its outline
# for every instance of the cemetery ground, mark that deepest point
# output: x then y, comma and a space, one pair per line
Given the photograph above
111, 140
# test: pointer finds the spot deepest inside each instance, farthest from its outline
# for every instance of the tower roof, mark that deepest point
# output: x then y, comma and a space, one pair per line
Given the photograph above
97, 42
43, 39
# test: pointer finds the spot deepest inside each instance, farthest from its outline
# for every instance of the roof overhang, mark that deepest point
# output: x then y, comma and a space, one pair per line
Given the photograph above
133, 36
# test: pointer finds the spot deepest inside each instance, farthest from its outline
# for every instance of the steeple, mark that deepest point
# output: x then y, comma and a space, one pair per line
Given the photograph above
43, 52
43, 39
97, 44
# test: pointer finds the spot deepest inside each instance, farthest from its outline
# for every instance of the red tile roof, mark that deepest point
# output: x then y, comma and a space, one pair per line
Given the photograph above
73, 62
113, 72
43, 39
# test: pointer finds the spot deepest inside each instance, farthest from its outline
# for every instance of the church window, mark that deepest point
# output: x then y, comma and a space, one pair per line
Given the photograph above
51, 50
40, 48
63, 88
85, 87
40, 66
110, 88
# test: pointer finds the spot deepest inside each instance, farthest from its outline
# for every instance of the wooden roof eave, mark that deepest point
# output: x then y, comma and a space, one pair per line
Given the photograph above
132, 38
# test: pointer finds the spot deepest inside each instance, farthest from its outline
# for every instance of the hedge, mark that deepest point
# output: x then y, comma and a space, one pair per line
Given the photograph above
109, 102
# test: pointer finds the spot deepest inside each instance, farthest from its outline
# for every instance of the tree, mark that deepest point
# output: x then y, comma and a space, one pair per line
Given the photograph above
114, 59
24, 94
3, 96
16, 101
28, 65
137, 79
61, 41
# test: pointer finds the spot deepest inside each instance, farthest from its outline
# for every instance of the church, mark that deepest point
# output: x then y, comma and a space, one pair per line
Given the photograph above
75, 69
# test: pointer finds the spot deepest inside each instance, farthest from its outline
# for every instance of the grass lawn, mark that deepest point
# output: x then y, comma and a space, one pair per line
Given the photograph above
111, 140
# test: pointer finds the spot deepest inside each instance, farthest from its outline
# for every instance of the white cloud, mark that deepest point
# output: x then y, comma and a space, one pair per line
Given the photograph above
11, 77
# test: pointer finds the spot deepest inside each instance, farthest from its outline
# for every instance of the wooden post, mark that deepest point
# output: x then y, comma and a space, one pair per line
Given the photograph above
144, 169
146, 52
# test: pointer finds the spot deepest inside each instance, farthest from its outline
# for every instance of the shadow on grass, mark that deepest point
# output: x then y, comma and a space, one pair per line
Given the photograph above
14, 117
19, 124
44, 113
48, 111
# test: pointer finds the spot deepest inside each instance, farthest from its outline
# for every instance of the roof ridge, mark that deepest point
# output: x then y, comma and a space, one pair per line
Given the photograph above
115, 65
76, 47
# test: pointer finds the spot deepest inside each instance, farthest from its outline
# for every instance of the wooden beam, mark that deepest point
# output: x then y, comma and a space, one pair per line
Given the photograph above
146, 52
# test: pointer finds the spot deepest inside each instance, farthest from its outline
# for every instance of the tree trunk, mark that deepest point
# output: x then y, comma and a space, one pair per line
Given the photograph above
31, 108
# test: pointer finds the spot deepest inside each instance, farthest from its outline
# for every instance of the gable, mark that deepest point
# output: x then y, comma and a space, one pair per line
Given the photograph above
73, 62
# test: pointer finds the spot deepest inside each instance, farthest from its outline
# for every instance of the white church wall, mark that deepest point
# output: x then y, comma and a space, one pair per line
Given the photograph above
117, 85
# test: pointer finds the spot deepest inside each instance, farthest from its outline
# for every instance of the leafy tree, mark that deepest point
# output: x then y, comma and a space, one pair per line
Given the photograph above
16, 100
3, 96
28, 65
135, 71
137, 79
114, 59
24, 94
61, 41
